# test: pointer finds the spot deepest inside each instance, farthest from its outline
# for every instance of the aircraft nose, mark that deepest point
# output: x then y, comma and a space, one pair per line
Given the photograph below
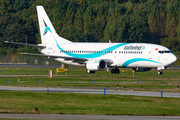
173, 58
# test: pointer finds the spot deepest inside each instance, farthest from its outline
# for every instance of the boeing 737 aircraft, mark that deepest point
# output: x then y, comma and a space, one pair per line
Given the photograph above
99, 56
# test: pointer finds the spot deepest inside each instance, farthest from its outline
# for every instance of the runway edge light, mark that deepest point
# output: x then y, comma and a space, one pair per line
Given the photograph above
47, 90
36, 109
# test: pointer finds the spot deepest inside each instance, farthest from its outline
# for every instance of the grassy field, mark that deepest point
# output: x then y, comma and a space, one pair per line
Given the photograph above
89, 104
79, 78
86, 104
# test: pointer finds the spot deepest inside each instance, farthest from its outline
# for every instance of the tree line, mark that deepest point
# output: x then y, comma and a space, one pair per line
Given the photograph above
141, 21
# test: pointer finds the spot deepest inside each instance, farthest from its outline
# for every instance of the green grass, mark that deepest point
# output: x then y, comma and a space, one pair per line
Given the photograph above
86, 104
89, 104
149, 80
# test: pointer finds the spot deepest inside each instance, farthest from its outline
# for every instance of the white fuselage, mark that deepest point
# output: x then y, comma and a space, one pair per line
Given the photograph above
122, 54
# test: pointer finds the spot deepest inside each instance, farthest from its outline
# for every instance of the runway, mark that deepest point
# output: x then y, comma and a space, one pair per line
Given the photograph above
86, 117
93, 91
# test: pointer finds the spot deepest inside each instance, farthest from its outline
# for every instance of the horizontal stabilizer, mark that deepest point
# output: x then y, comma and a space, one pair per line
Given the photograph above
33, 45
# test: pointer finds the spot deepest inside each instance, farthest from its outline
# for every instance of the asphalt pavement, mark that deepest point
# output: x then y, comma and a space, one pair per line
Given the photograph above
94, 91
86, 117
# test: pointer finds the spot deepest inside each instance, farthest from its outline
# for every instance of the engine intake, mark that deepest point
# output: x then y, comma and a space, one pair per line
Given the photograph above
96, 65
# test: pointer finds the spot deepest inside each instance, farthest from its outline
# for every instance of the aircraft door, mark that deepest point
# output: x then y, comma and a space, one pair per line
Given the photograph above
150, 54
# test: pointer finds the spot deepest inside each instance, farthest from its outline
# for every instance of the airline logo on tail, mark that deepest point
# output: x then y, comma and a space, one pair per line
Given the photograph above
46, 28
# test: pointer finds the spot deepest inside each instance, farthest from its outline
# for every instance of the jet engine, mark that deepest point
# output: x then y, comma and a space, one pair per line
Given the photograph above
142, 69
96, 65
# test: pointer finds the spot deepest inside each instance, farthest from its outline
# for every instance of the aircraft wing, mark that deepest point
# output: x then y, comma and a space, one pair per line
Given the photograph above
77, 60
33, 45
56, 56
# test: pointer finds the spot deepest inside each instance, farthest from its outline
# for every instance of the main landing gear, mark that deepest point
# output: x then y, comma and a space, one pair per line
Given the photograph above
115, 71
160, 72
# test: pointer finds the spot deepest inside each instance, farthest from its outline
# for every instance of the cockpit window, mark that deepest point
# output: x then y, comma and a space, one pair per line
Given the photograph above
161, 52
165, 51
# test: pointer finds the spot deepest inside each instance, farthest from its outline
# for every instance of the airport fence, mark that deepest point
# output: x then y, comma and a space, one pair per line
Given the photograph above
25, 59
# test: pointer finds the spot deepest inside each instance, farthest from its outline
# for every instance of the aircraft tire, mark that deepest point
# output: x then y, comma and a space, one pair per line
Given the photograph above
160, 72
117, 71
113, 71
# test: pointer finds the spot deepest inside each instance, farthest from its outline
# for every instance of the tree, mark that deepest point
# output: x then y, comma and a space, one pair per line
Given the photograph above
173, 19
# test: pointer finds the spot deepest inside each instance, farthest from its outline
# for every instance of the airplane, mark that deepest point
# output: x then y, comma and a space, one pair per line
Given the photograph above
98, 56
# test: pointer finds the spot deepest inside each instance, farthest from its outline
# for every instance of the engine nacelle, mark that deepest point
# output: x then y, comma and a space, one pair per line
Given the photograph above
142, 69
96, 65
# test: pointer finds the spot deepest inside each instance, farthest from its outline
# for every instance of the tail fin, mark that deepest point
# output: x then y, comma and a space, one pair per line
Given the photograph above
47, 31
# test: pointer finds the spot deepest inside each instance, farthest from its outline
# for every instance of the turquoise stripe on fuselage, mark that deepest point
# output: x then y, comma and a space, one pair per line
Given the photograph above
125, 64
96, 55
92, 55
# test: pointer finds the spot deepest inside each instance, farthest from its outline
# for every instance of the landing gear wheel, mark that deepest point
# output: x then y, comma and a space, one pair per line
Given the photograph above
115, 71
160, 72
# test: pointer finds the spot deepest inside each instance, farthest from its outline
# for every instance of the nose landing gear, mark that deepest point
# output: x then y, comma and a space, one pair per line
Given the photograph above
160, 72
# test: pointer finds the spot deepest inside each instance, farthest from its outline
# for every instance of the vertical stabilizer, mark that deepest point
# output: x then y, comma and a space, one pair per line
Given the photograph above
47, 31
